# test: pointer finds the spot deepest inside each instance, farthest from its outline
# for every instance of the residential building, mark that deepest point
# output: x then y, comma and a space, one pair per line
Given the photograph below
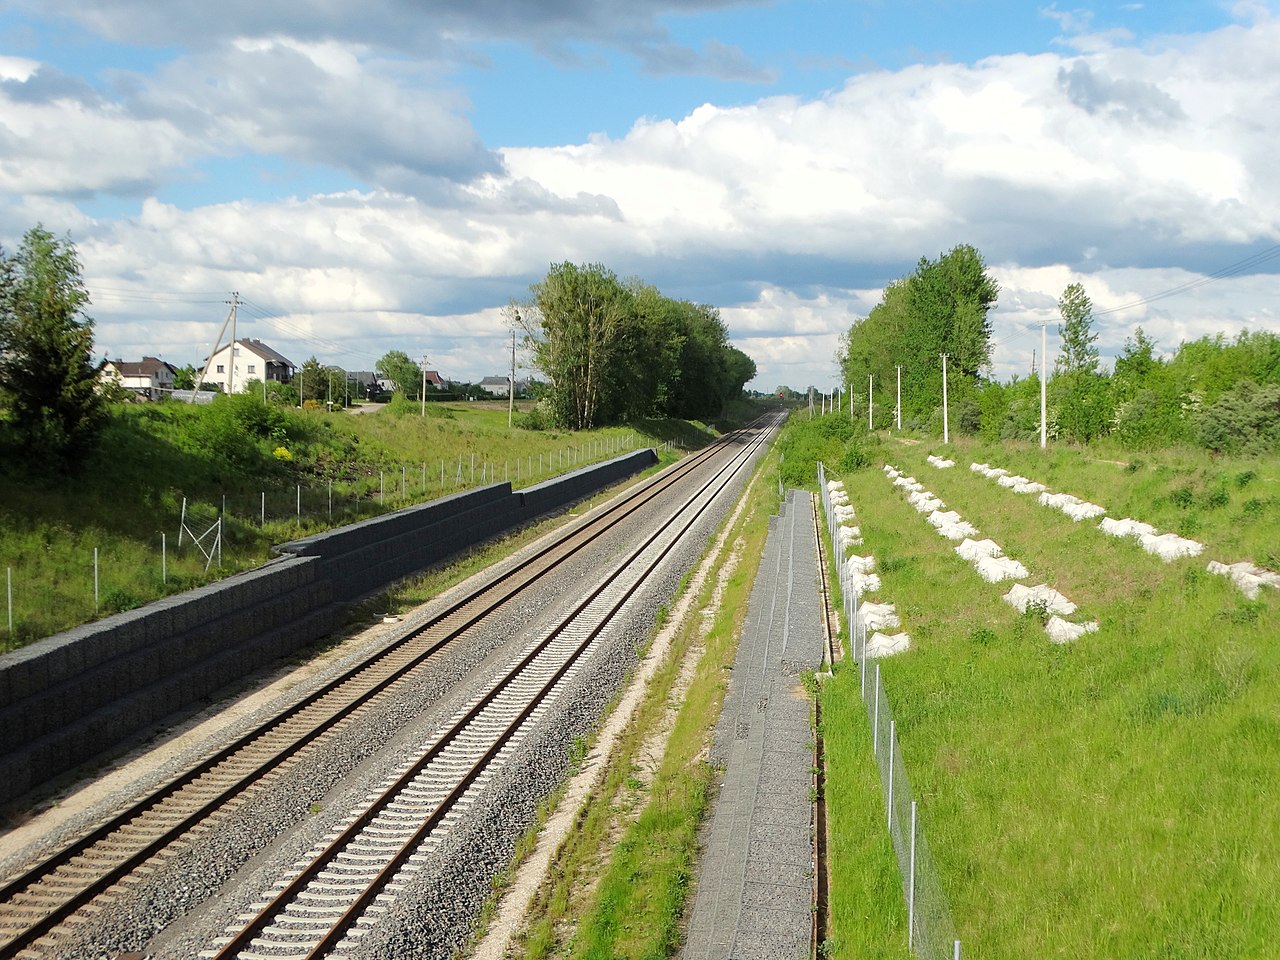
497, 386
254, 360
150, 378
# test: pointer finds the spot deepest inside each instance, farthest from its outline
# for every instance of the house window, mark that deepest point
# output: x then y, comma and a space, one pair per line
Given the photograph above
222, 368
253, 368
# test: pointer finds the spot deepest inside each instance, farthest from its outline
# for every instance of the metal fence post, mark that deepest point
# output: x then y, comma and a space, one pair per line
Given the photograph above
164, 563
892, 734
875, 724
95, 579
911, 883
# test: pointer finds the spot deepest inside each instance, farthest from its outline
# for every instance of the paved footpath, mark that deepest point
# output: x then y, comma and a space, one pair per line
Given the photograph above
754, 898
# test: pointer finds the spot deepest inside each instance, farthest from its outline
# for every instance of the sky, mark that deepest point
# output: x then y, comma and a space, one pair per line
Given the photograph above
389, 174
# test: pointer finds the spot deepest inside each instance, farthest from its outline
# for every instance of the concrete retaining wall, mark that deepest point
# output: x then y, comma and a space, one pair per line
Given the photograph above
73, 696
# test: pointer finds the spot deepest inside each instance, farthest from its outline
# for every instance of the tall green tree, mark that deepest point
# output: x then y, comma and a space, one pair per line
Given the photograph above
48, 379
1080, 392
396, 366
943, 306
574, 327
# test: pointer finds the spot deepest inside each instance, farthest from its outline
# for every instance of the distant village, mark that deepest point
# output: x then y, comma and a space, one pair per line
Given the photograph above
254, 365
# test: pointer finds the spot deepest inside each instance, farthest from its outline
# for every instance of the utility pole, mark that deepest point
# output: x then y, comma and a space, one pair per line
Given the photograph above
216, 344
424, 385
1044, 366
511, 385
946, 436
231, 373
898, 408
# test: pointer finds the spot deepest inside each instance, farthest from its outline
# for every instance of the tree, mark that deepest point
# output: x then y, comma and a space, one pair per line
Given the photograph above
573, 327
942, 307
1079, 353
1081, 397
403, 372
48, 378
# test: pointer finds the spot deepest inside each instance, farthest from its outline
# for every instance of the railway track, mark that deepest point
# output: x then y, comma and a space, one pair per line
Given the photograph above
35, 904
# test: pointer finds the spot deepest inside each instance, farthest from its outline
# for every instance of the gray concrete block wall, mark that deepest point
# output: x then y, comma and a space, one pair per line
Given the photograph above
76, 695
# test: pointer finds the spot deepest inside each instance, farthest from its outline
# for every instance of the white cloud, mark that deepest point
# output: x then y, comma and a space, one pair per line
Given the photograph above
1119, 168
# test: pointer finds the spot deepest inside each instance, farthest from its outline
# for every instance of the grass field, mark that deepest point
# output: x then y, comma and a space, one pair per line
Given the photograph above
334, 468
1113, 797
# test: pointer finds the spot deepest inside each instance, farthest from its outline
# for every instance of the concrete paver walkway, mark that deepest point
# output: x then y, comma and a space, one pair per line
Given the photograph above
754, 898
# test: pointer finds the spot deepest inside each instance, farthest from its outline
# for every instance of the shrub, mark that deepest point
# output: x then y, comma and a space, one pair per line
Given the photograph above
1243, 420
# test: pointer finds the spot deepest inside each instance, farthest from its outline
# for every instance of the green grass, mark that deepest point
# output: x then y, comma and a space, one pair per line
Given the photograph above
132, 489
1108, 798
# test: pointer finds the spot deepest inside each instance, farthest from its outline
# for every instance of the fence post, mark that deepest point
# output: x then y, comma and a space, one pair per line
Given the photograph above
8, 580
956, 955
875, 724
164, 559
382, 487
404, 481
95, 580
892, 734
330, 499
262, 522
911, 883
299, 503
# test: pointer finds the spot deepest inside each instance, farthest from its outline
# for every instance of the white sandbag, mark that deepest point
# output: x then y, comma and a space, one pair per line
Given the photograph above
1041, 594
1011, 480
834, 485
1125, 527
908, 483
839, 498
924, 501
1250, 579
842, 512
995, 569
878, 616
939, 517
859, 583
988, 471
1029, 487
1058, 501
1064, 631
885, 645
940, 462
958, 530
1083, 511
890, 472
975, 550
857, 564
1169, 546
848, 537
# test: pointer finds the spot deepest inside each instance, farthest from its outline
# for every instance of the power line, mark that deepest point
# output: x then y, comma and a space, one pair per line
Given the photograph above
1234, 269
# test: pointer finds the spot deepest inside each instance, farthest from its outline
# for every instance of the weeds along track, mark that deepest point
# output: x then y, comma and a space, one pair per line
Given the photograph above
85, 874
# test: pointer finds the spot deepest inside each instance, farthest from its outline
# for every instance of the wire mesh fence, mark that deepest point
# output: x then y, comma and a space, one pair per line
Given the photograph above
196, 539
931, 932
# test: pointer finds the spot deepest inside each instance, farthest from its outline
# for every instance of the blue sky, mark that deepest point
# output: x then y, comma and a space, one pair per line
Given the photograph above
374, 176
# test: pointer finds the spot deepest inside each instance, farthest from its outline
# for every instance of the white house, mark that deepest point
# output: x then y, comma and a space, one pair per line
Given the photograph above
254, 360
496, 386
150, 377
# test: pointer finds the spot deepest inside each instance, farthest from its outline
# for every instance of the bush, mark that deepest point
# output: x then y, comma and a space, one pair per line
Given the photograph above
535, 419
1244, 420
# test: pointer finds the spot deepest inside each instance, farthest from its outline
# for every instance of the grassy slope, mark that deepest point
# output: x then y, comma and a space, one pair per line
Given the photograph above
132, 489
1109, 798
